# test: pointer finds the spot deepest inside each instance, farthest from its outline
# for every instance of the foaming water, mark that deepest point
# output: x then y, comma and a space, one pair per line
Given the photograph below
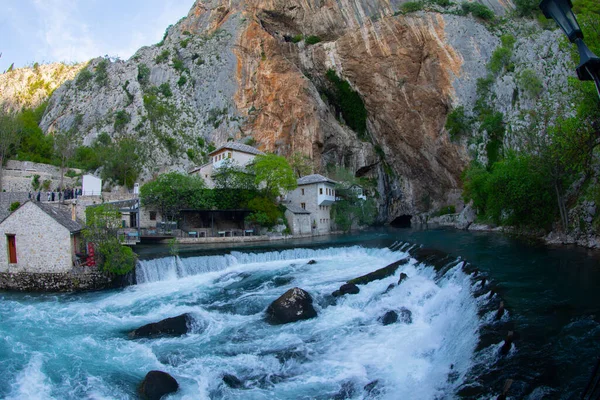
76, 346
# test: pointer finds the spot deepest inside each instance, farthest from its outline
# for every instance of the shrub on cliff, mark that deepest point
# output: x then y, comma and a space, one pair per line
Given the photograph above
348, 102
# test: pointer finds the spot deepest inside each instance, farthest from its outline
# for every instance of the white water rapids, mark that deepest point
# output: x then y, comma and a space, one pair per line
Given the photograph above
71, 347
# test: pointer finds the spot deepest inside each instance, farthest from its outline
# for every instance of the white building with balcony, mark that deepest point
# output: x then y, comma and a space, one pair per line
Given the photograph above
315, 194
233, 152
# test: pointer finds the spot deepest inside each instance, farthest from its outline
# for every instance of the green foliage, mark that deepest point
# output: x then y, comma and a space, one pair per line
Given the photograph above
162, 41
529, 83
275, 173
35, 182
348, 102
526, 8
143, 76
83, 78
457, 123
102, 223
500, 59
178, 64
14, 206
101, 73
351, 210
508, 41
442, 3
162, 57
297, 38
165, 89
264, 212
412, 6
172, 192
478, 10
71, 173
447, 210
229, 175
122, 118
182, 81
515, 192
301, 164
159, 110
184, 43
493, 123
312, 39
216, 116
123, 162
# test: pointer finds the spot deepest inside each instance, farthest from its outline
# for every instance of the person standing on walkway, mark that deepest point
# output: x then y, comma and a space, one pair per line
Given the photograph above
53, 195
39, 195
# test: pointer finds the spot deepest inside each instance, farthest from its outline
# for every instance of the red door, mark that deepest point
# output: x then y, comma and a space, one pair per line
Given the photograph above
12, 249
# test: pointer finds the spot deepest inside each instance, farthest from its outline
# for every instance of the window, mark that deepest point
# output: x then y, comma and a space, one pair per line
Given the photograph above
228, 155
320, 190
152, 215
302, 192
303, 205
12, 249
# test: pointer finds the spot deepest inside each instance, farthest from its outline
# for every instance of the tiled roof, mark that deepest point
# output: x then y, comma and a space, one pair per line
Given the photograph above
244, 148
63, 217
296, 210
314, 178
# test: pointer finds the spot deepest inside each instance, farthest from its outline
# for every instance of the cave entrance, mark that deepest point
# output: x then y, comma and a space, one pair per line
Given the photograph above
402, 221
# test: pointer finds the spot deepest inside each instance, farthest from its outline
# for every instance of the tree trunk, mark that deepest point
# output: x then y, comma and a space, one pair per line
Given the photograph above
1, 171
564, 218
62, 174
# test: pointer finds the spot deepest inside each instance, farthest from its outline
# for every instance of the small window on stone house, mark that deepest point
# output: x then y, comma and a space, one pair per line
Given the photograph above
303, 205
152, 215
320, 190
302, 192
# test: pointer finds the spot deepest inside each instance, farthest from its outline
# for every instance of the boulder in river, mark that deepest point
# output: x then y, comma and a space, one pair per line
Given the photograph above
347, 288
311, 262
157, 384
294, 305
232, 381
175, 326
379, 274
389, 317
402, 278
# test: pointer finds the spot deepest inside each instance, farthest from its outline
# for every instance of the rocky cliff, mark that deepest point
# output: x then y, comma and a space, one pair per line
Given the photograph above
271, 71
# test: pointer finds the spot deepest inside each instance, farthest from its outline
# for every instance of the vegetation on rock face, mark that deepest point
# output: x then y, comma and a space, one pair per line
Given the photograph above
535, 185
347, 102
457, 123
478, 10
102, 223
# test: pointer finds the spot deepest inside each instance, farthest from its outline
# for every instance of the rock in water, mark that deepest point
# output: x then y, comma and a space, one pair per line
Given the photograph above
347, 288
294, 305
157, 384
405, 315
232, 381
311, 262
175, 326
389, 317
403, 277
379, 274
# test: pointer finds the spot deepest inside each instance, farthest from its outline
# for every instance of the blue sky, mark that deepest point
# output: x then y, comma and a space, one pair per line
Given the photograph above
77, 30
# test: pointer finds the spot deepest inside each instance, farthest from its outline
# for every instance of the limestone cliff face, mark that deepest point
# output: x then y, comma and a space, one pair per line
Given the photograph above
237, 69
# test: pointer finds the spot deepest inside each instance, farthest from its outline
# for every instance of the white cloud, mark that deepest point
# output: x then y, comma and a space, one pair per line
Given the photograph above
64, 36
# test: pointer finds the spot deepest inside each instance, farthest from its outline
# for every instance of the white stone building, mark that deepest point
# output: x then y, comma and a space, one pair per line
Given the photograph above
39, 238
233, 152
315, 194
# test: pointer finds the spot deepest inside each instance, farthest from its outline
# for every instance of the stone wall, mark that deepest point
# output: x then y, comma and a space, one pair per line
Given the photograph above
18, 175
61, 282
320, 216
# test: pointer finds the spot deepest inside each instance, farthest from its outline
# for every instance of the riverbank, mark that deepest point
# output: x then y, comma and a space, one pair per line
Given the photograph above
466, 221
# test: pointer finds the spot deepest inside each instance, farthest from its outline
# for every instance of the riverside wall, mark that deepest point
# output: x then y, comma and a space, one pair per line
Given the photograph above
56, 282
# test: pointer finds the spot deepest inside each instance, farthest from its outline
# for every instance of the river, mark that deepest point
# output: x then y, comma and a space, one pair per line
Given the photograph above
76, 346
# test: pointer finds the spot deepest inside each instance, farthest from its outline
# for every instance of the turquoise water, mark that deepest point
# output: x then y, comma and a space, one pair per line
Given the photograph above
76, 346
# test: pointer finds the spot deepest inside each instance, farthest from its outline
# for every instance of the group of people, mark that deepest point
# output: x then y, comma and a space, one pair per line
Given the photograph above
58, 195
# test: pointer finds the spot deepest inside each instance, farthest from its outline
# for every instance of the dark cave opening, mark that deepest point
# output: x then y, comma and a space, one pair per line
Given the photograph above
402, 221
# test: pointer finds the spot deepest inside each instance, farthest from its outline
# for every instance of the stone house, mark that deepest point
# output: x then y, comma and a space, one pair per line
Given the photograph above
39, 238
315, 194
233, 152
298, 220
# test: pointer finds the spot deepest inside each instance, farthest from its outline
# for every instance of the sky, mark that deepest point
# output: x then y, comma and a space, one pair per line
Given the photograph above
46, 31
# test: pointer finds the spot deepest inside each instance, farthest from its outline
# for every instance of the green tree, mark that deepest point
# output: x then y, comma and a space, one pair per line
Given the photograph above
275, 173
350, 210
264, 212
65, 145
172, 192
10, 136
230, 175
102, 224
301, 164
122, 160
